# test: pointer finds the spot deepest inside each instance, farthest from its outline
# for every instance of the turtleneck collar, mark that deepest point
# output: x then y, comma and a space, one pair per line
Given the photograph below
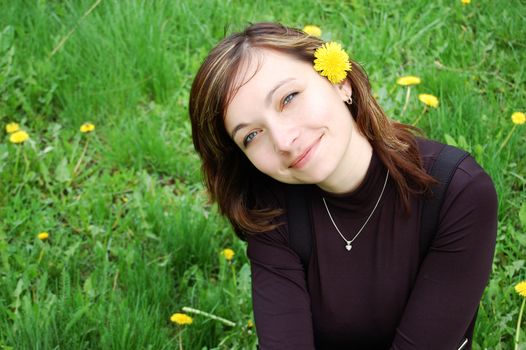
364, 197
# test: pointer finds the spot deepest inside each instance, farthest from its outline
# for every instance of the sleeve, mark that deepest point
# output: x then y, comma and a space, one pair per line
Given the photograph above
280, 298
453, 275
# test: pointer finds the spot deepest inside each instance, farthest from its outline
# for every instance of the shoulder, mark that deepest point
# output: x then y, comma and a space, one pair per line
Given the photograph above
472, 190
470, 187
272, 196
272, 248
467, 170
429, 151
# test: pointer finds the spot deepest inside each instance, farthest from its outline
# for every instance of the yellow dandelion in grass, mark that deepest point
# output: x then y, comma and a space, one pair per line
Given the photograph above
332, 61
408, 80
520, 288
465, 2
228, 254
312, 30
429, 100
19, 136
181, 319
250, 324
518, 118
43, 236
87, 127
12, 127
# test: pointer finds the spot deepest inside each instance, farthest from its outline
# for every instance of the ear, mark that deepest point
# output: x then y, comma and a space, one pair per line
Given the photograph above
344, 89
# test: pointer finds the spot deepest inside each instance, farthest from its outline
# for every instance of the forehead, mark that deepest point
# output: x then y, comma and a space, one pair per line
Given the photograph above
260, 71
263, 65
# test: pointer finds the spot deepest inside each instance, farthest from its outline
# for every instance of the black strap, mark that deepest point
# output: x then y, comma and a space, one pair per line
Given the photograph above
442, 170
299, 221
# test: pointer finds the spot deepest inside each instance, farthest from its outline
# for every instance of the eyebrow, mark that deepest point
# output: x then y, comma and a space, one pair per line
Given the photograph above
267, 102
278, 85
237, 128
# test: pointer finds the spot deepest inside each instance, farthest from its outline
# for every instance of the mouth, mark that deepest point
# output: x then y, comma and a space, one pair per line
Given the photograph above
304, 157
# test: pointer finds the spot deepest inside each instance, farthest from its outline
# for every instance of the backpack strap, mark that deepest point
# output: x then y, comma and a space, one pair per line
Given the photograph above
299, 221
442, 169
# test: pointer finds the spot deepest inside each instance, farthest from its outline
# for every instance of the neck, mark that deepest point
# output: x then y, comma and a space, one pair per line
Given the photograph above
354, 165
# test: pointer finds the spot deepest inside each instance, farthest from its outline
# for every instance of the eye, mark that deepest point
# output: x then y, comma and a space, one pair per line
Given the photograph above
249, 138
288, 99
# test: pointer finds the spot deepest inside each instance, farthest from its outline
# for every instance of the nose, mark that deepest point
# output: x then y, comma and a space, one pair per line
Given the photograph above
284, 137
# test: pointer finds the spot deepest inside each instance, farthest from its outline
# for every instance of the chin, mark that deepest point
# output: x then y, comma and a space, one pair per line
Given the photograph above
314, 179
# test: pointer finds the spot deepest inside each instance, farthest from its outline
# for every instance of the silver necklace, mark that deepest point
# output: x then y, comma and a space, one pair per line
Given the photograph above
348, 246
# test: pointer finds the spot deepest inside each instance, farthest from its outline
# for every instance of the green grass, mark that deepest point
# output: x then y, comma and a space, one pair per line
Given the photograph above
132, 237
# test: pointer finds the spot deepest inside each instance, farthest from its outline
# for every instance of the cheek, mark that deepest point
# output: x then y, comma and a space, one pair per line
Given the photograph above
322, 106
261, 159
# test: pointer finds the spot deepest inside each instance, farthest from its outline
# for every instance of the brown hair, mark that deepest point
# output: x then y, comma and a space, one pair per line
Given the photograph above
231, 179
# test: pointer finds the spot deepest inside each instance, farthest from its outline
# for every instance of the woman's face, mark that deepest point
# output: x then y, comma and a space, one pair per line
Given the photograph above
291, 123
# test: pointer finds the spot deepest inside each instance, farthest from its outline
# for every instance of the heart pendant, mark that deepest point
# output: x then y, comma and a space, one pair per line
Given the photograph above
348, 247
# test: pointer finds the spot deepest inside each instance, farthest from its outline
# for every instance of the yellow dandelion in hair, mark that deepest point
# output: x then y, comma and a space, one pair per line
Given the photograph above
520, 288
12, 127
228, 254
465, 2
19, 137
43, 236
518, 118
312, 30
87, 127
181, 319
408, 80
332, 61
429, 100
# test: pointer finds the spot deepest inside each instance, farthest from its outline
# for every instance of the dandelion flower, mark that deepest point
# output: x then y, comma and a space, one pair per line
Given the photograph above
518, 118
312, 30
19, 137
228, 254
181, 319
332, 61
87, 127
429, 100
408, 80
250, 324
520, 288
43, 236
12, 127
465, 2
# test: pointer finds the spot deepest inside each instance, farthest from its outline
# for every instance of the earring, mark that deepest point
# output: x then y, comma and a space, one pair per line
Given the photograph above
349, 101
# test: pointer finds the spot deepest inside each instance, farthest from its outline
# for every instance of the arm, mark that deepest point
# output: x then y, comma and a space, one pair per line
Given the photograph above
279, 293
455, 271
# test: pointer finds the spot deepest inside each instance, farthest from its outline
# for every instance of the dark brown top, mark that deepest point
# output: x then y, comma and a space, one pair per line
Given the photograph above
378, 296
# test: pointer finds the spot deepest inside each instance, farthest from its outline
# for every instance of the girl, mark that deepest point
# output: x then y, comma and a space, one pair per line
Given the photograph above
273, 108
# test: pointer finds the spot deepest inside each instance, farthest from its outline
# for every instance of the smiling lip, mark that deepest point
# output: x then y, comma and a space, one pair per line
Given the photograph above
305, 156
